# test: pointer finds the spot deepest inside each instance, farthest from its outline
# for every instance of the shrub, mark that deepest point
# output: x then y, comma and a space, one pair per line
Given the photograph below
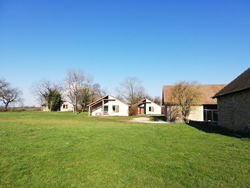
133, 111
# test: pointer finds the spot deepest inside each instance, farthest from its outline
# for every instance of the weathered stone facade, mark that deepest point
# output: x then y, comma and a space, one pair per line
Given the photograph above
234, 111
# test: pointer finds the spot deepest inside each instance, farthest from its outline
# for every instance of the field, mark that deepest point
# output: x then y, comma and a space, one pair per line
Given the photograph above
42, 149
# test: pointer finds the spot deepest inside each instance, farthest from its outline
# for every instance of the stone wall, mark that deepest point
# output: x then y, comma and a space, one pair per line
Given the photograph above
203, 123
234, 111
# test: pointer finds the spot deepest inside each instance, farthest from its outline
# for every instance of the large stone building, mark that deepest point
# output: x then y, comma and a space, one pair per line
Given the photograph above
205, 110
234, 104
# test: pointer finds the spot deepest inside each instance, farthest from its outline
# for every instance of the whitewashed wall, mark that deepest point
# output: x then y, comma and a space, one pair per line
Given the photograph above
97, 110
123, 108
45, 108
196, 113
70, 106
157, 108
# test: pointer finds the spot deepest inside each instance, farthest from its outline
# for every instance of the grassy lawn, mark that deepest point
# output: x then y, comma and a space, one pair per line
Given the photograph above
42, 149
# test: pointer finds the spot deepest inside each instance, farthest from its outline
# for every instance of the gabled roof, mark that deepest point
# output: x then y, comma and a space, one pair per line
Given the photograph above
64, 100
141, 101
100, 100
207, 92
242, 82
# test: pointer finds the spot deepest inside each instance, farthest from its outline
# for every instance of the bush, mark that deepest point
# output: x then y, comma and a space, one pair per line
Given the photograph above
133, 111
1, 109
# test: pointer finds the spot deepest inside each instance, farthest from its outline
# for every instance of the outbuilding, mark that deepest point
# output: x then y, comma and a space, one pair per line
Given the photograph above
146, 106
65, 106
108, 106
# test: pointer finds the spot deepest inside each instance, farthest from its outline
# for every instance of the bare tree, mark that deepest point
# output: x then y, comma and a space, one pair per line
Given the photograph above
42, 88
131, 90
74, 82
89, 94
157, 100
183, 96
3, 84
9, 94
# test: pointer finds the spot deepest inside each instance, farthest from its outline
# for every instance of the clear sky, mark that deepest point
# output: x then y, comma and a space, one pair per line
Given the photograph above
158, 41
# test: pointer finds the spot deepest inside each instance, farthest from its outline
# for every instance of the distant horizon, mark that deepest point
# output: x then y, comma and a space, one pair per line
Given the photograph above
159, 42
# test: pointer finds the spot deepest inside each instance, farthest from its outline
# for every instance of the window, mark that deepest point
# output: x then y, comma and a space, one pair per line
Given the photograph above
64, 106
149, 109
210, 113
115, 108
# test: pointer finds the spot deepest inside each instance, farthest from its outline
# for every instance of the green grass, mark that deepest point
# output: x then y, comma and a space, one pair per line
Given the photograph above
42, 149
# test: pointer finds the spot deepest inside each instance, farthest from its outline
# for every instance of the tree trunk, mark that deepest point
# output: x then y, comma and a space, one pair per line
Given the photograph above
75, 108
6, 107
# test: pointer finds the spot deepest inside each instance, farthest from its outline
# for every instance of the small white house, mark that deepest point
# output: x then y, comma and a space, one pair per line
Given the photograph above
65, 106
45, 107
146, 106
108, 106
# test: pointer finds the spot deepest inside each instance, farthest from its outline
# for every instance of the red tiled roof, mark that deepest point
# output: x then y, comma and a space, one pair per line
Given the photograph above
207, 92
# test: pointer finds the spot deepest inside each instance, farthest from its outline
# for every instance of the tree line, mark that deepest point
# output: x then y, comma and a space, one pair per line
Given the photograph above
77, 88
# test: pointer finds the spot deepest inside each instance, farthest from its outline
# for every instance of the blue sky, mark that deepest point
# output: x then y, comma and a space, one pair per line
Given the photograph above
160, 42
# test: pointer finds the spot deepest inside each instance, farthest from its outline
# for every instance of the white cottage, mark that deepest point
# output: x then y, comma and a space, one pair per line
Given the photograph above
108, 106
65, 106
146, 106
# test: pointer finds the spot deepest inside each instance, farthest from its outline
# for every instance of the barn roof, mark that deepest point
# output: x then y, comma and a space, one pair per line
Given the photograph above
207, 92
242, 82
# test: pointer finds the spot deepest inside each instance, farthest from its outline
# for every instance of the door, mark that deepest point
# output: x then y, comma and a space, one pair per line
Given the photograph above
106, 109
142, 111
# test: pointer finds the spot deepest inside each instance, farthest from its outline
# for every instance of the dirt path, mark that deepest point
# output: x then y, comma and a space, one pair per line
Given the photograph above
145, 120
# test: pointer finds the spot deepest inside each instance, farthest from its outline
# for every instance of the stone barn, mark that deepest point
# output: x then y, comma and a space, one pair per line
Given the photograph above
234, 104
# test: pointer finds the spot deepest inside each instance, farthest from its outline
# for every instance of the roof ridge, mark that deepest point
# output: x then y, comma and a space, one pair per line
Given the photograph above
241, 82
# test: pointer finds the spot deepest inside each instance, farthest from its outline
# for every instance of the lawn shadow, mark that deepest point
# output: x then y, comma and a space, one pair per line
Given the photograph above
158, 117
218, 130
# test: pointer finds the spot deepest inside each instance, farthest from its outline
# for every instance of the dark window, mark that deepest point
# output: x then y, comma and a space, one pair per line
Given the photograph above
113, 107
64, 106
149, 109
210, 112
